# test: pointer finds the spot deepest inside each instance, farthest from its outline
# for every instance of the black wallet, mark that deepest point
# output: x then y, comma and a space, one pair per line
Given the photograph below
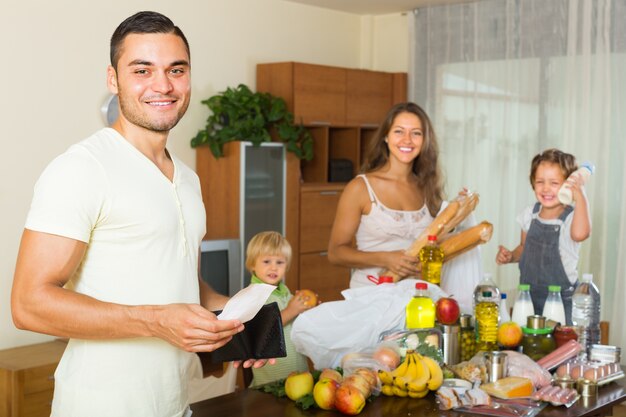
262, 338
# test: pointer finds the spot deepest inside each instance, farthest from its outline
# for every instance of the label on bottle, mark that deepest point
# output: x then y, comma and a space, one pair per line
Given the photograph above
420, 313
431, 258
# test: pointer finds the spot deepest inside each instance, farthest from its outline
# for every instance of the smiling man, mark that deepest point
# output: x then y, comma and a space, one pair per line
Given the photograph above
109, 254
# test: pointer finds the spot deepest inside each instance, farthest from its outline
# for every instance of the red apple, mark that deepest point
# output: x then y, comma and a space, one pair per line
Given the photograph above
359, 382
349, 400
328, 373
369, 374
447, 310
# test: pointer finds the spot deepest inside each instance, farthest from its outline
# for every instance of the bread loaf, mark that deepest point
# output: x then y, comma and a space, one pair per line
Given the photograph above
461, 242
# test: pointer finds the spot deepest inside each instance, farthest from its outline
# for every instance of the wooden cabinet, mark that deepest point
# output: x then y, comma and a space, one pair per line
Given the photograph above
27, 379
318, 204
320, 94
341, 108
243, 190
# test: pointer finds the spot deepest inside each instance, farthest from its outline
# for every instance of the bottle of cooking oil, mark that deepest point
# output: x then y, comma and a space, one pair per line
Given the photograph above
487, 322
486, 302
431, 257
420, 311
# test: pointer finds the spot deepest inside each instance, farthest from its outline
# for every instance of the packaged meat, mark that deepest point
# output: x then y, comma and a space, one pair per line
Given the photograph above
556, 395
477, 396
448, 398
560, 355
521, 365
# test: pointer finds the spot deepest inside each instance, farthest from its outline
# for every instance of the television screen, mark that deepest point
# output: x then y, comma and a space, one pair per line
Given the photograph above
220, 265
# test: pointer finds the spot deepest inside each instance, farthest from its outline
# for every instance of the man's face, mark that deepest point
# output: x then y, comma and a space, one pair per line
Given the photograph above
152, 80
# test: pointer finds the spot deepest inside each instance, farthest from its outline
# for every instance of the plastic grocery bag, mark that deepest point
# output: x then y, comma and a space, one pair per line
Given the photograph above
329, 331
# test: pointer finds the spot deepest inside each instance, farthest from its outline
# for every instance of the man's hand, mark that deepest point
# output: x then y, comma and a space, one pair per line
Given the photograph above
253, 363
193, 328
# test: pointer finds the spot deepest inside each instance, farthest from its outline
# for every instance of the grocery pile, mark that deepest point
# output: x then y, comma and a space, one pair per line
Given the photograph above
414, 377
488, 362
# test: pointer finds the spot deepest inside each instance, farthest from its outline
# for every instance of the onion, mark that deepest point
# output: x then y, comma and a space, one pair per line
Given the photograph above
387, 356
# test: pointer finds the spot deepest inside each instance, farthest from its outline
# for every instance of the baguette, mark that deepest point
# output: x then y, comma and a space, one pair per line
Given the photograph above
467, 204
450, 217
435, 228
456, 244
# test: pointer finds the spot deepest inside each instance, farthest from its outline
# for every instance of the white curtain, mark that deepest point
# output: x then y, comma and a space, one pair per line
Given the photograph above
505, 79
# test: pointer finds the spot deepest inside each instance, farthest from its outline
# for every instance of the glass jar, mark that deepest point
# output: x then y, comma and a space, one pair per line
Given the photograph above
537, 343
468, 337
564, 333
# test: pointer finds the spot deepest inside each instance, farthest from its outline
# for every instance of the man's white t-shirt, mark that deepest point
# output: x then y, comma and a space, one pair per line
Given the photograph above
143, 233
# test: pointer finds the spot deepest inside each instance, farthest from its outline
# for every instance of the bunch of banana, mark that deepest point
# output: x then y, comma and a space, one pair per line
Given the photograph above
415, 376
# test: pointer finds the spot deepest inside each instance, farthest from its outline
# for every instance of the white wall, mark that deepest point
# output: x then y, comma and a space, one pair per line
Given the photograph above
53, 74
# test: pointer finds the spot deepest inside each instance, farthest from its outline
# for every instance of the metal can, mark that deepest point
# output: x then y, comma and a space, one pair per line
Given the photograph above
451, 343
587, 388
496, 363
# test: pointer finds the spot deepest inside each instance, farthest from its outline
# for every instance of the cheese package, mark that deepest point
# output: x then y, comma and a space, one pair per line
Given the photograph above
509, 387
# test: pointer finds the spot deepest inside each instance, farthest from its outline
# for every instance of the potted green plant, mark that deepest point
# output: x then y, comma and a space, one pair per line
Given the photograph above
240, 114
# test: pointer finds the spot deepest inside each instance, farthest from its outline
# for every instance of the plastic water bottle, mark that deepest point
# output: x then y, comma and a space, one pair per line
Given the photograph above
486, 312
420, 311
585, 171
523, 306
553, 308
504, 309
586, 311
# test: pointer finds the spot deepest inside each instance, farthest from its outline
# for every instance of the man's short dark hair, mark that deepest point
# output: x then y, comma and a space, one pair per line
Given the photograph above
142, 22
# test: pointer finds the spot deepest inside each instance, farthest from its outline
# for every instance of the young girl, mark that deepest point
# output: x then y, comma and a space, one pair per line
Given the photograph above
551, 232
267, 258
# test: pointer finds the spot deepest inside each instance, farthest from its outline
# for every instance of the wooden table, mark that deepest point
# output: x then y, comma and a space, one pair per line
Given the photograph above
254, 403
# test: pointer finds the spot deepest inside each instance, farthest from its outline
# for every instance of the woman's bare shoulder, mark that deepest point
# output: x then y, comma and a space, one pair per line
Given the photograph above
355, 186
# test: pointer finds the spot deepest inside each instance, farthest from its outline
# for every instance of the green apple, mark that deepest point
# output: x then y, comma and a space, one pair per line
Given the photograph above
298, 384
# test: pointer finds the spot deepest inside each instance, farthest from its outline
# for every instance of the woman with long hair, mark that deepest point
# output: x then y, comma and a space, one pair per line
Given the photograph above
398, 194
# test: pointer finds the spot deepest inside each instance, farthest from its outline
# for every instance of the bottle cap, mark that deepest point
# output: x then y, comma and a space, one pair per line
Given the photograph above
590, 166
486, 293
385, 279
432, 238
587, 277
421, 286
524, 287
535, 322
554, 288
530, 330
503, 295
465, 320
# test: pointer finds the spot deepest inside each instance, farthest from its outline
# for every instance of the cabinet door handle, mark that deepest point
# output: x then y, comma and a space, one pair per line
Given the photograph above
319, 123
323, 253
329, 192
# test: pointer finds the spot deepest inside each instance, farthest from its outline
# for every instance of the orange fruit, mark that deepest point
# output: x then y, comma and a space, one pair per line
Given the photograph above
510, 334
309, 297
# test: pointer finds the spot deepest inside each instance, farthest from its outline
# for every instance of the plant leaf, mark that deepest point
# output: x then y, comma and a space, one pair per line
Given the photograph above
240, 114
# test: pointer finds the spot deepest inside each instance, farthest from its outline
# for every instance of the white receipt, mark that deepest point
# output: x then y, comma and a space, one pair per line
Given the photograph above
246, 303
